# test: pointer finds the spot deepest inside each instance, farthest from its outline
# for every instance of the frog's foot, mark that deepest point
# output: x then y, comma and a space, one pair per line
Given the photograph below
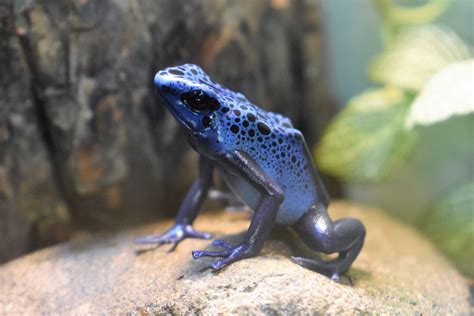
229, 255
174, 235
330, 268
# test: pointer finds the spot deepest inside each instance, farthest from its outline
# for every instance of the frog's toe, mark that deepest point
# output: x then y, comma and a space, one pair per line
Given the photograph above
218, 243
221, 243
235, 254
335, 276
229, 255
216, 265
174, 235
150, 239
203, 253
199, 235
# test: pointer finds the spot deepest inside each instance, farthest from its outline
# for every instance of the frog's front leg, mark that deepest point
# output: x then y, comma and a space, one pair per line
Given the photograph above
262, 222
188, 210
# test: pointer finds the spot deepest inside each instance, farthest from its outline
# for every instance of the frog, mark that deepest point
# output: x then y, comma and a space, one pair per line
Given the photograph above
265, 162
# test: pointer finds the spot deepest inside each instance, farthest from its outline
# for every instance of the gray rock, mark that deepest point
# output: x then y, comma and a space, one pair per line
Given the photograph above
398, 272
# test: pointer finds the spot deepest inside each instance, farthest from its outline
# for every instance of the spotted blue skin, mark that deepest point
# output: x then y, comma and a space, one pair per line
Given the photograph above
264, 161
238, 125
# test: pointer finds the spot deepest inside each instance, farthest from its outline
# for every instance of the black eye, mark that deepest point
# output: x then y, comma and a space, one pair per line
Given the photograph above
198, 100
206, 121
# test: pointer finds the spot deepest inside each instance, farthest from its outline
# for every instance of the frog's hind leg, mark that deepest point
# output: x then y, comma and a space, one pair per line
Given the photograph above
317, 230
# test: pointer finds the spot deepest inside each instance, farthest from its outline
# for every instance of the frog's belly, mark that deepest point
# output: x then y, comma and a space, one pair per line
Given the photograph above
292, 208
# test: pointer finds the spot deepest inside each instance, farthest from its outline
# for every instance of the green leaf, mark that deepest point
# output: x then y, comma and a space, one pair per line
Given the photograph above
448, 93
367, 140
416, 55
450, 224
400, 14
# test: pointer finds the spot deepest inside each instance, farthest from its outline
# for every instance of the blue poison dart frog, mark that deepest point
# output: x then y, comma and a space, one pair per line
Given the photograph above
265, 161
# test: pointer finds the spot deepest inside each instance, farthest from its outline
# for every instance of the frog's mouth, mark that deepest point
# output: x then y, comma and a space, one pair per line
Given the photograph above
178, 116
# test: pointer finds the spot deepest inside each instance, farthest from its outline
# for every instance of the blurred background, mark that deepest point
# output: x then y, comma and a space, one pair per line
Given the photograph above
382, 90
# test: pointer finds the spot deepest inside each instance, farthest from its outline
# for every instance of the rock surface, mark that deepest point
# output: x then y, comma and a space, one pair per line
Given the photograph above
397, 272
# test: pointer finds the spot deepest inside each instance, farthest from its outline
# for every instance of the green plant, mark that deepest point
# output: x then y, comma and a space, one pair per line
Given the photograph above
410, 138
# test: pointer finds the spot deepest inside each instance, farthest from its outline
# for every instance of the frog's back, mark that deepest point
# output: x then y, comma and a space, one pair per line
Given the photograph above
280, 150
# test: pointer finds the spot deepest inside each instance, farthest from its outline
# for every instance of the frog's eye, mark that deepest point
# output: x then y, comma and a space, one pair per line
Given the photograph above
198, 100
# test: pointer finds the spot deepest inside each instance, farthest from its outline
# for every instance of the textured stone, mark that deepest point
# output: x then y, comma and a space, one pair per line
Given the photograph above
398, 272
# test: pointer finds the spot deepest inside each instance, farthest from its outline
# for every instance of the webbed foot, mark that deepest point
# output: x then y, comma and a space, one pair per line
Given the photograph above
229, 255
174, 235
330, 268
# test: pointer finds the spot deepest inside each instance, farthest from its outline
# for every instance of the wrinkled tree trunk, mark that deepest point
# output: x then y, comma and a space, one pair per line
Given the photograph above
83, 139
32, 211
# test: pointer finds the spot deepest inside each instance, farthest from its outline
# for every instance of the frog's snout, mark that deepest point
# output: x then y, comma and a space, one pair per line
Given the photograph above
165, 84
161, 80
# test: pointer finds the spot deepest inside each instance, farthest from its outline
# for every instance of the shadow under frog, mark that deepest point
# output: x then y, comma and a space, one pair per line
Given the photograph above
265, 162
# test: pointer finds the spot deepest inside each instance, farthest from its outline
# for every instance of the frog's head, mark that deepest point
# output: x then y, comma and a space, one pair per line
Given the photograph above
191, 97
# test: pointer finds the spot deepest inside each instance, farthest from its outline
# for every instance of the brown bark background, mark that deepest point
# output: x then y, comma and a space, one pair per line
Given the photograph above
85, 143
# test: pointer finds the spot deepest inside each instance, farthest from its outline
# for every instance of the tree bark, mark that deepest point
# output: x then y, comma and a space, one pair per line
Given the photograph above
84, 140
